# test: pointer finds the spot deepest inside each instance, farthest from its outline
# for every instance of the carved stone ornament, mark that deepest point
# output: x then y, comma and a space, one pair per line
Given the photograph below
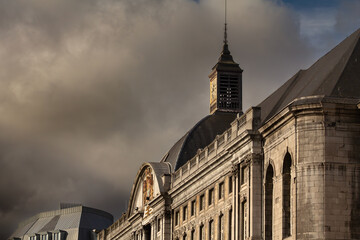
148, 190
243, 197
234, 169
148, 211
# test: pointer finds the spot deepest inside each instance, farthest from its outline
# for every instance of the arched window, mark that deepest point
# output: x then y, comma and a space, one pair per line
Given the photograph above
230, 224
192, 234
211, 230
286, 195
221, 227
269, 202
201, 232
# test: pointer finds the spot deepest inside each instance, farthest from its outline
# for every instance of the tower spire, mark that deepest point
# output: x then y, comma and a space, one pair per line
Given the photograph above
225, 31
226, 80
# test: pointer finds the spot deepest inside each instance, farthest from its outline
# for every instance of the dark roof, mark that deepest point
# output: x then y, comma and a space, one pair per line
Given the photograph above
226, 61
201, 135
336, 74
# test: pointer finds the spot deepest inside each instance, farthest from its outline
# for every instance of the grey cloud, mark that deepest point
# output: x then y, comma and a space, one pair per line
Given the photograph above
348, 19
91, 89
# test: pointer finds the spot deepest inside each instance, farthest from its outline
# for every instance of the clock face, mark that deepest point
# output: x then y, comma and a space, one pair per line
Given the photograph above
213, 90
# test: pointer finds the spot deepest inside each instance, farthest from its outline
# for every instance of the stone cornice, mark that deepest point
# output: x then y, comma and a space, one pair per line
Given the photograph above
311, 105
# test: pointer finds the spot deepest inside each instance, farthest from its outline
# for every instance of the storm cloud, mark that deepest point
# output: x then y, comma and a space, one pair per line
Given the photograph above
91, 89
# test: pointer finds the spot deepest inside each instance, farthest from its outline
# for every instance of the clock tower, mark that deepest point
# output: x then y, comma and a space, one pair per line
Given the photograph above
226, 83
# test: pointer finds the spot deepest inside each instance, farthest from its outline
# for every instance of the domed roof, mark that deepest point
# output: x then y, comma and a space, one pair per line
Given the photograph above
201, 135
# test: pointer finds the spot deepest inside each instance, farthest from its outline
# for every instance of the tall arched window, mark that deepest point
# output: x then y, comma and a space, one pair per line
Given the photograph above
286, 195
211, 230
201, 232
221, 227
269, 202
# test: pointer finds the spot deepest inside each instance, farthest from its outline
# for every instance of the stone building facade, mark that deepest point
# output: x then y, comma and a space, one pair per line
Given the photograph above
288, 168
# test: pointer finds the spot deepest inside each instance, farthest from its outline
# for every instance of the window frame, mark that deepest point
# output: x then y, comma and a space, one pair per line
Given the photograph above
185, 212
193, 208
221, 191
211, 196
230, 184
202, 202
177, 217
158, 225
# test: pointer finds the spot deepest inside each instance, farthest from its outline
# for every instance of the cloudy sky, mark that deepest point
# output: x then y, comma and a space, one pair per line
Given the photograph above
91, 89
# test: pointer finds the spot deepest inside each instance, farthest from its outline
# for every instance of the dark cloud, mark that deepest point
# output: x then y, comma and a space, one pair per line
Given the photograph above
91, 89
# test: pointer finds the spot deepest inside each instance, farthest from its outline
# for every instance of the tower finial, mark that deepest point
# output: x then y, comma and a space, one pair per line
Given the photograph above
225, 31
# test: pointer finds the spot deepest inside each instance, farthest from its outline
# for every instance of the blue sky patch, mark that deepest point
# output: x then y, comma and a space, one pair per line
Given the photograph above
309, 4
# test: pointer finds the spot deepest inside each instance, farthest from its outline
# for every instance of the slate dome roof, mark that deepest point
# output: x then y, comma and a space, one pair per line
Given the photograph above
198, 137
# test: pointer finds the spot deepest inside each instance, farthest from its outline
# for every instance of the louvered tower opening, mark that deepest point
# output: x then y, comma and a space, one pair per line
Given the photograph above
229, 92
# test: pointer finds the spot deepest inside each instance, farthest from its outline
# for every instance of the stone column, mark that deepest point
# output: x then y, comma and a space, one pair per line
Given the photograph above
254, 203
233, 208
237, 200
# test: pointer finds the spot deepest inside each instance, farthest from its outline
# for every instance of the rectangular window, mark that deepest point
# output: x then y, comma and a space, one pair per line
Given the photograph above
221, 190
177, 218
159, 224
211, 196
192, 237
193, 207
230, 184
230, 224
243, 175
185, 212
202, 202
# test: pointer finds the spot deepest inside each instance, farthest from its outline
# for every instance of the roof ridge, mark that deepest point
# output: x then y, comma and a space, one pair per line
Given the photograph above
334, 74
353, 51
291, 85
329, 51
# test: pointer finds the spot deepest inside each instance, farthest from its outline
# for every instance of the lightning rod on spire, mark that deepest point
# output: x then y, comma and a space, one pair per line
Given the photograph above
225, 32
